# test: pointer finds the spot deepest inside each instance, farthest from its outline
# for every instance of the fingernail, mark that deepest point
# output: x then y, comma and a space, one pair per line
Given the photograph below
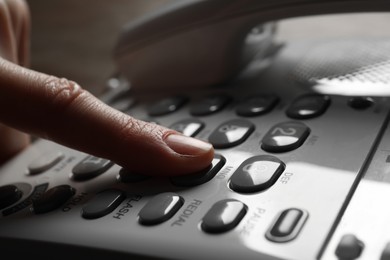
187, 145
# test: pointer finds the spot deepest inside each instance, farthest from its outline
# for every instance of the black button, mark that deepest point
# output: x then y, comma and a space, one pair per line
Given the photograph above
256, 174
37, 192
360, 103
90, 167
188, 127
257, 105
9, 194
209, 105
285, 137
287, 225
231, 133
45, 162
349, 247
103, 203
127, 176
223, 216
52, 199
167, 106
160, 208
308, 106
202, 176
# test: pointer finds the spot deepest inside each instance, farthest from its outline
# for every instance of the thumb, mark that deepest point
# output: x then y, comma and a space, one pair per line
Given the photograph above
61, 111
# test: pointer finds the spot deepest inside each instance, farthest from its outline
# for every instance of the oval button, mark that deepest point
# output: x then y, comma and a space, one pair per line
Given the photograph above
223, 216
160, 208
9, 194
90, 167
188, 127
202, 176
127, 176
285, 137
167, 106
45, 162
308, 106
209, 105
257, 105
287, 225
52, 199
103, 203
256, 174
231, 133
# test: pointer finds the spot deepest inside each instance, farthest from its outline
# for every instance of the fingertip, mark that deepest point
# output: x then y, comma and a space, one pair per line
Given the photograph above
191, 155
187, 146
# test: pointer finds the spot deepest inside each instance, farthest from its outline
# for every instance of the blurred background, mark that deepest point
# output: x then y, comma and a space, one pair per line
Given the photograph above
75, 39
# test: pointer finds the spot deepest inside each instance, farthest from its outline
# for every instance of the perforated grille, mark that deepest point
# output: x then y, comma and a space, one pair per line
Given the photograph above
360, 66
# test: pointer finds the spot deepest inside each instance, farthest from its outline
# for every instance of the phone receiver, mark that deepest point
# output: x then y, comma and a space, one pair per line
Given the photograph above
201, 43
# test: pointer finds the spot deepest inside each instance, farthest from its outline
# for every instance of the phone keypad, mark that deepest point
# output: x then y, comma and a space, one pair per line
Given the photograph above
260, 150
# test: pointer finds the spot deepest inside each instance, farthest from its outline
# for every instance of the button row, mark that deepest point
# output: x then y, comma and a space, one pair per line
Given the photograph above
223, 216
304, 107
282, 137
255, 174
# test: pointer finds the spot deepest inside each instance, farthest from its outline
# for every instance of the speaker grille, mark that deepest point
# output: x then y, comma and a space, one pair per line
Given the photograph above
351, 67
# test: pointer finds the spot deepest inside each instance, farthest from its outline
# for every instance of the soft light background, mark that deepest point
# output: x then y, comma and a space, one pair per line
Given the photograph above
74, 38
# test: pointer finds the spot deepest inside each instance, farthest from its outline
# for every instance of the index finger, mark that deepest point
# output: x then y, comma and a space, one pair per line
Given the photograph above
61, 111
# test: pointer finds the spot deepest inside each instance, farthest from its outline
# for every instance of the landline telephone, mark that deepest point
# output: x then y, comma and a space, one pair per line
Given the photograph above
300, 131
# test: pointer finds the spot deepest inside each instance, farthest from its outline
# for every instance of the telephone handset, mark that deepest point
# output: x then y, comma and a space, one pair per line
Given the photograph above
300, 132
202, 43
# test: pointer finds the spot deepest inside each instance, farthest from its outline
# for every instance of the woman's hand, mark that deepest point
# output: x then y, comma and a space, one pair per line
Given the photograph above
60, 110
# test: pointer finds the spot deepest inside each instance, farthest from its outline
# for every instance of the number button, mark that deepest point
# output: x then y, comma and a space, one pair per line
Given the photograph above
285, 137
256, 174
167, 106
231, 133
209, 105
188, 127
308, 106
90, 167
257, 105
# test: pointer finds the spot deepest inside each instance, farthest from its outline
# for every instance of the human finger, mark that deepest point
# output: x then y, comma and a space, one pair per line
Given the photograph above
13, 30
61, 111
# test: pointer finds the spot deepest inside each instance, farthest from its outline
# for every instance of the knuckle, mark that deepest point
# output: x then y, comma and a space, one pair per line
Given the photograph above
62, 92
133, 129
